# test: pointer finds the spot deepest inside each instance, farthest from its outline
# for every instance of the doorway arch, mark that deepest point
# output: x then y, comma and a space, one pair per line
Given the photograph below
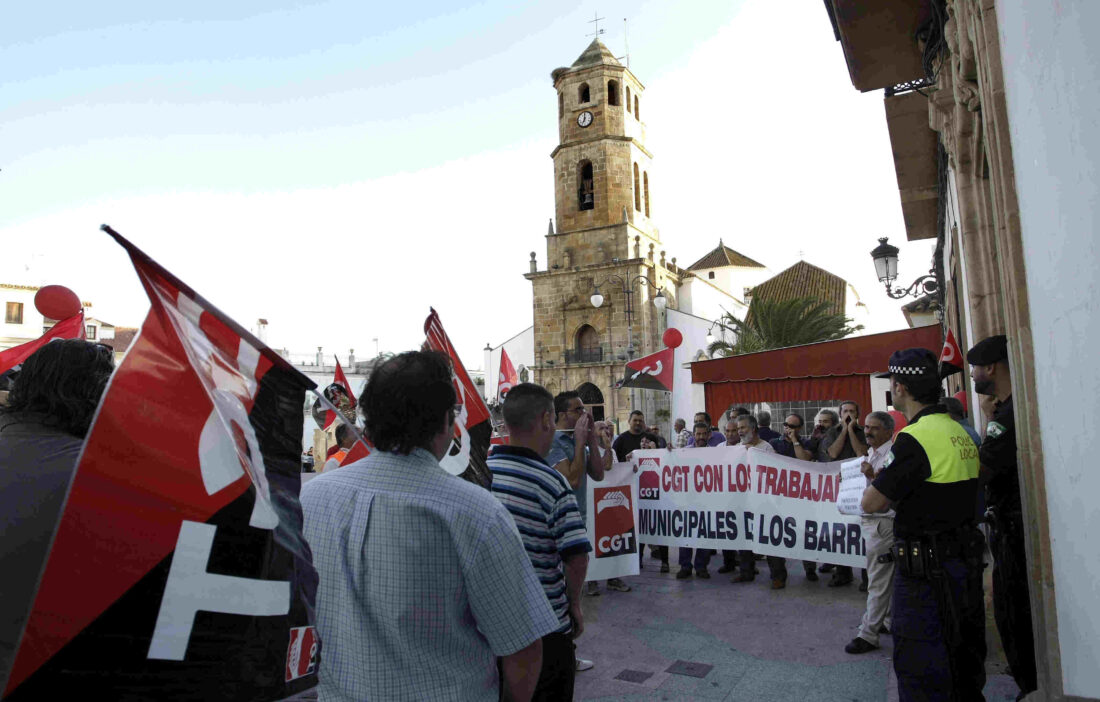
593, 399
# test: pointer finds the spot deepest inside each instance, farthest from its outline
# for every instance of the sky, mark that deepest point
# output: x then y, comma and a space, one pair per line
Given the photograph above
339, 167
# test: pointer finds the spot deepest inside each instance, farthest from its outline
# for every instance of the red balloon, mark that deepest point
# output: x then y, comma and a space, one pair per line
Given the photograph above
56, 302
672, 338
899, 421
961, 397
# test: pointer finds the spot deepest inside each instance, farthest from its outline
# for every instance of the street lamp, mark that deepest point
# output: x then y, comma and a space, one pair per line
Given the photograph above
659, 301
885, 257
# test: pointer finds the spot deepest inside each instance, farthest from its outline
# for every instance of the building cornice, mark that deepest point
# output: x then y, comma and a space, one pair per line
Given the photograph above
605, 137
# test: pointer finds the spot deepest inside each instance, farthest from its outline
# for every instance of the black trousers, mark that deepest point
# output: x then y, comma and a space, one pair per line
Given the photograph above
559, 669
939, 635
1011, 602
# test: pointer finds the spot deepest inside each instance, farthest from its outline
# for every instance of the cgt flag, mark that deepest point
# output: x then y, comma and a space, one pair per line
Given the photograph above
70, 328
951, 357
340, 379
178, 568
470, 447
508, 377
652, 372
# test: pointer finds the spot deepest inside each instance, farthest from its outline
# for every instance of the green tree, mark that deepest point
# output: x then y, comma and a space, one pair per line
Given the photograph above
776, 324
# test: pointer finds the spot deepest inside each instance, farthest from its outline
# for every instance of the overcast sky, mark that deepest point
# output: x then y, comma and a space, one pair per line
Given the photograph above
338, 167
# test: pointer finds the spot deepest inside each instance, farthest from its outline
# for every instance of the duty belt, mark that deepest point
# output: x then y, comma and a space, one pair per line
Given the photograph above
923, 556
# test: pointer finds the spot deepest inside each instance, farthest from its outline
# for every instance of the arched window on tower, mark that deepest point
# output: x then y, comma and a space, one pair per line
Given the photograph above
586, 192
583, 94
637, 189
613, 93
561, 105
637, 112
645, 188
628, 98
586, 345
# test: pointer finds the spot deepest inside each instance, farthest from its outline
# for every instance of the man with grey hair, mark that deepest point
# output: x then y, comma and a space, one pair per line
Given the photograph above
682, 434
878, 532
764, 428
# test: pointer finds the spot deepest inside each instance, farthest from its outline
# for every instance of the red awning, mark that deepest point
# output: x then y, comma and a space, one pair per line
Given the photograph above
829, 370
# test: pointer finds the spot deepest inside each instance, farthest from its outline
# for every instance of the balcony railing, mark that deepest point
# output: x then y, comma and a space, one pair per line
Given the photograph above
589, 355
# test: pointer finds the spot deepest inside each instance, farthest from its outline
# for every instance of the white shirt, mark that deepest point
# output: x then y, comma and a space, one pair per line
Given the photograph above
763, 446
877, 457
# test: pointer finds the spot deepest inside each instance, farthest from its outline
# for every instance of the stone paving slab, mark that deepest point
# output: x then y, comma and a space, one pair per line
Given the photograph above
762, 644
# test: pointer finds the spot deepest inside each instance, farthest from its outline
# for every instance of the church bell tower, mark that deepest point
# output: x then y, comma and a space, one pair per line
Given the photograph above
603, 235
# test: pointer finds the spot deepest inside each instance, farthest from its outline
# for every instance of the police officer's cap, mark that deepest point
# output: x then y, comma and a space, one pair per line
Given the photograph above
913, 365
988, 351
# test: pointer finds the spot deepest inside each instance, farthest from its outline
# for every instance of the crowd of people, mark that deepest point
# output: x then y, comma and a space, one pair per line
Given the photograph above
427, 593
922, 497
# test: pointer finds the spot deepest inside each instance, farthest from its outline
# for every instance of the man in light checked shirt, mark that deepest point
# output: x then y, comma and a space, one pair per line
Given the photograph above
424, 581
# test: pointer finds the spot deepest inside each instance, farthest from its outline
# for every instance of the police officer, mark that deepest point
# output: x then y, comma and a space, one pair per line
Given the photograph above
1011, 606
931, 479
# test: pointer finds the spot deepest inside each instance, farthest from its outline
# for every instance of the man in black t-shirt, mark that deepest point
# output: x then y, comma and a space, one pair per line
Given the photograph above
636, 437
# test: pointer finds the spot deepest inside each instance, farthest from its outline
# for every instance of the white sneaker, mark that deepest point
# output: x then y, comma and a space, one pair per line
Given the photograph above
583, 664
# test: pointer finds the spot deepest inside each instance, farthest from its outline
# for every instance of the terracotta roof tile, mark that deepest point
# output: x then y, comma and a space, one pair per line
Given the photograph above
804, 280
124, 336
724, 256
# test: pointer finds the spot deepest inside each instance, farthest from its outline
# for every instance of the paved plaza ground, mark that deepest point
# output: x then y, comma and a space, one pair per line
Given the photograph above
712, 640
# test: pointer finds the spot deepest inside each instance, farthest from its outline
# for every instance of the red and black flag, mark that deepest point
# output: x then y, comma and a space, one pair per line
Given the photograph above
470, 447
178, 569
951, 357
346, 403
652, 372
69, 328
508, 378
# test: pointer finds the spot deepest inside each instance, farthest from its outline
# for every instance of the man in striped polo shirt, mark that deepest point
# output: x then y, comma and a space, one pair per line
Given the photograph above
545, 511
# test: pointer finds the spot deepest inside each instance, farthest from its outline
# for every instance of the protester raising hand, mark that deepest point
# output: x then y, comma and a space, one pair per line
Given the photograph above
582, 431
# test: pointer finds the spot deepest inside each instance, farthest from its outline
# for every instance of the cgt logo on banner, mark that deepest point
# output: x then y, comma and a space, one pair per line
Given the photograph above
649, 478
612, 523
614, 533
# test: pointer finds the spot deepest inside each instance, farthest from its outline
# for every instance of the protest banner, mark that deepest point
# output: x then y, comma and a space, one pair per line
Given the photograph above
612, 523
178, 569
732, 497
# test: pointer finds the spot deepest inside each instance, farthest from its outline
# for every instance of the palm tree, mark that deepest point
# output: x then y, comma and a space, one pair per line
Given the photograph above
776, 324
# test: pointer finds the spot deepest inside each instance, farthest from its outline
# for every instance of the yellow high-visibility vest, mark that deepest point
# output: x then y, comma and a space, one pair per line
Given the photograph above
951, 452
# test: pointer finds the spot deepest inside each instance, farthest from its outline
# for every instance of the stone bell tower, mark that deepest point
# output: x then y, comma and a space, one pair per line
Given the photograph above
604, 235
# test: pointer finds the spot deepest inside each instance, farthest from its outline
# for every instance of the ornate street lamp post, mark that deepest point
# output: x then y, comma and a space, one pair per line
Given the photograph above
886, 267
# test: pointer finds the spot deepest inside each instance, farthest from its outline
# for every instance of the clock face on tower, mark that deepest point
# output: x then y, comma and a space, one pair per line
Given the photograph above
584, 119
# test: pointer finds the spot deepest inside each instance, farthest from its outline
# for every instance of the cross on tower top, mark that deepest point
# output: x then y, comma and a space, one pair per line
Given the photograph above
596, 19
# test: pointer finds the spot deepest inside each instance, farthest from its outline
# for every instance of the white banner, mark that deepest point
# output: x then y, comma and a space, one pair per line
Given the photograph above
730, 497
612, 520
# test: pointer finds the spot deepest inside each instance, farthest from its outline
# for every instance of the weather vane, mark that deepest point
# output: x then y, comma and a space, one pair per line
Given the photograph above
596, 21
